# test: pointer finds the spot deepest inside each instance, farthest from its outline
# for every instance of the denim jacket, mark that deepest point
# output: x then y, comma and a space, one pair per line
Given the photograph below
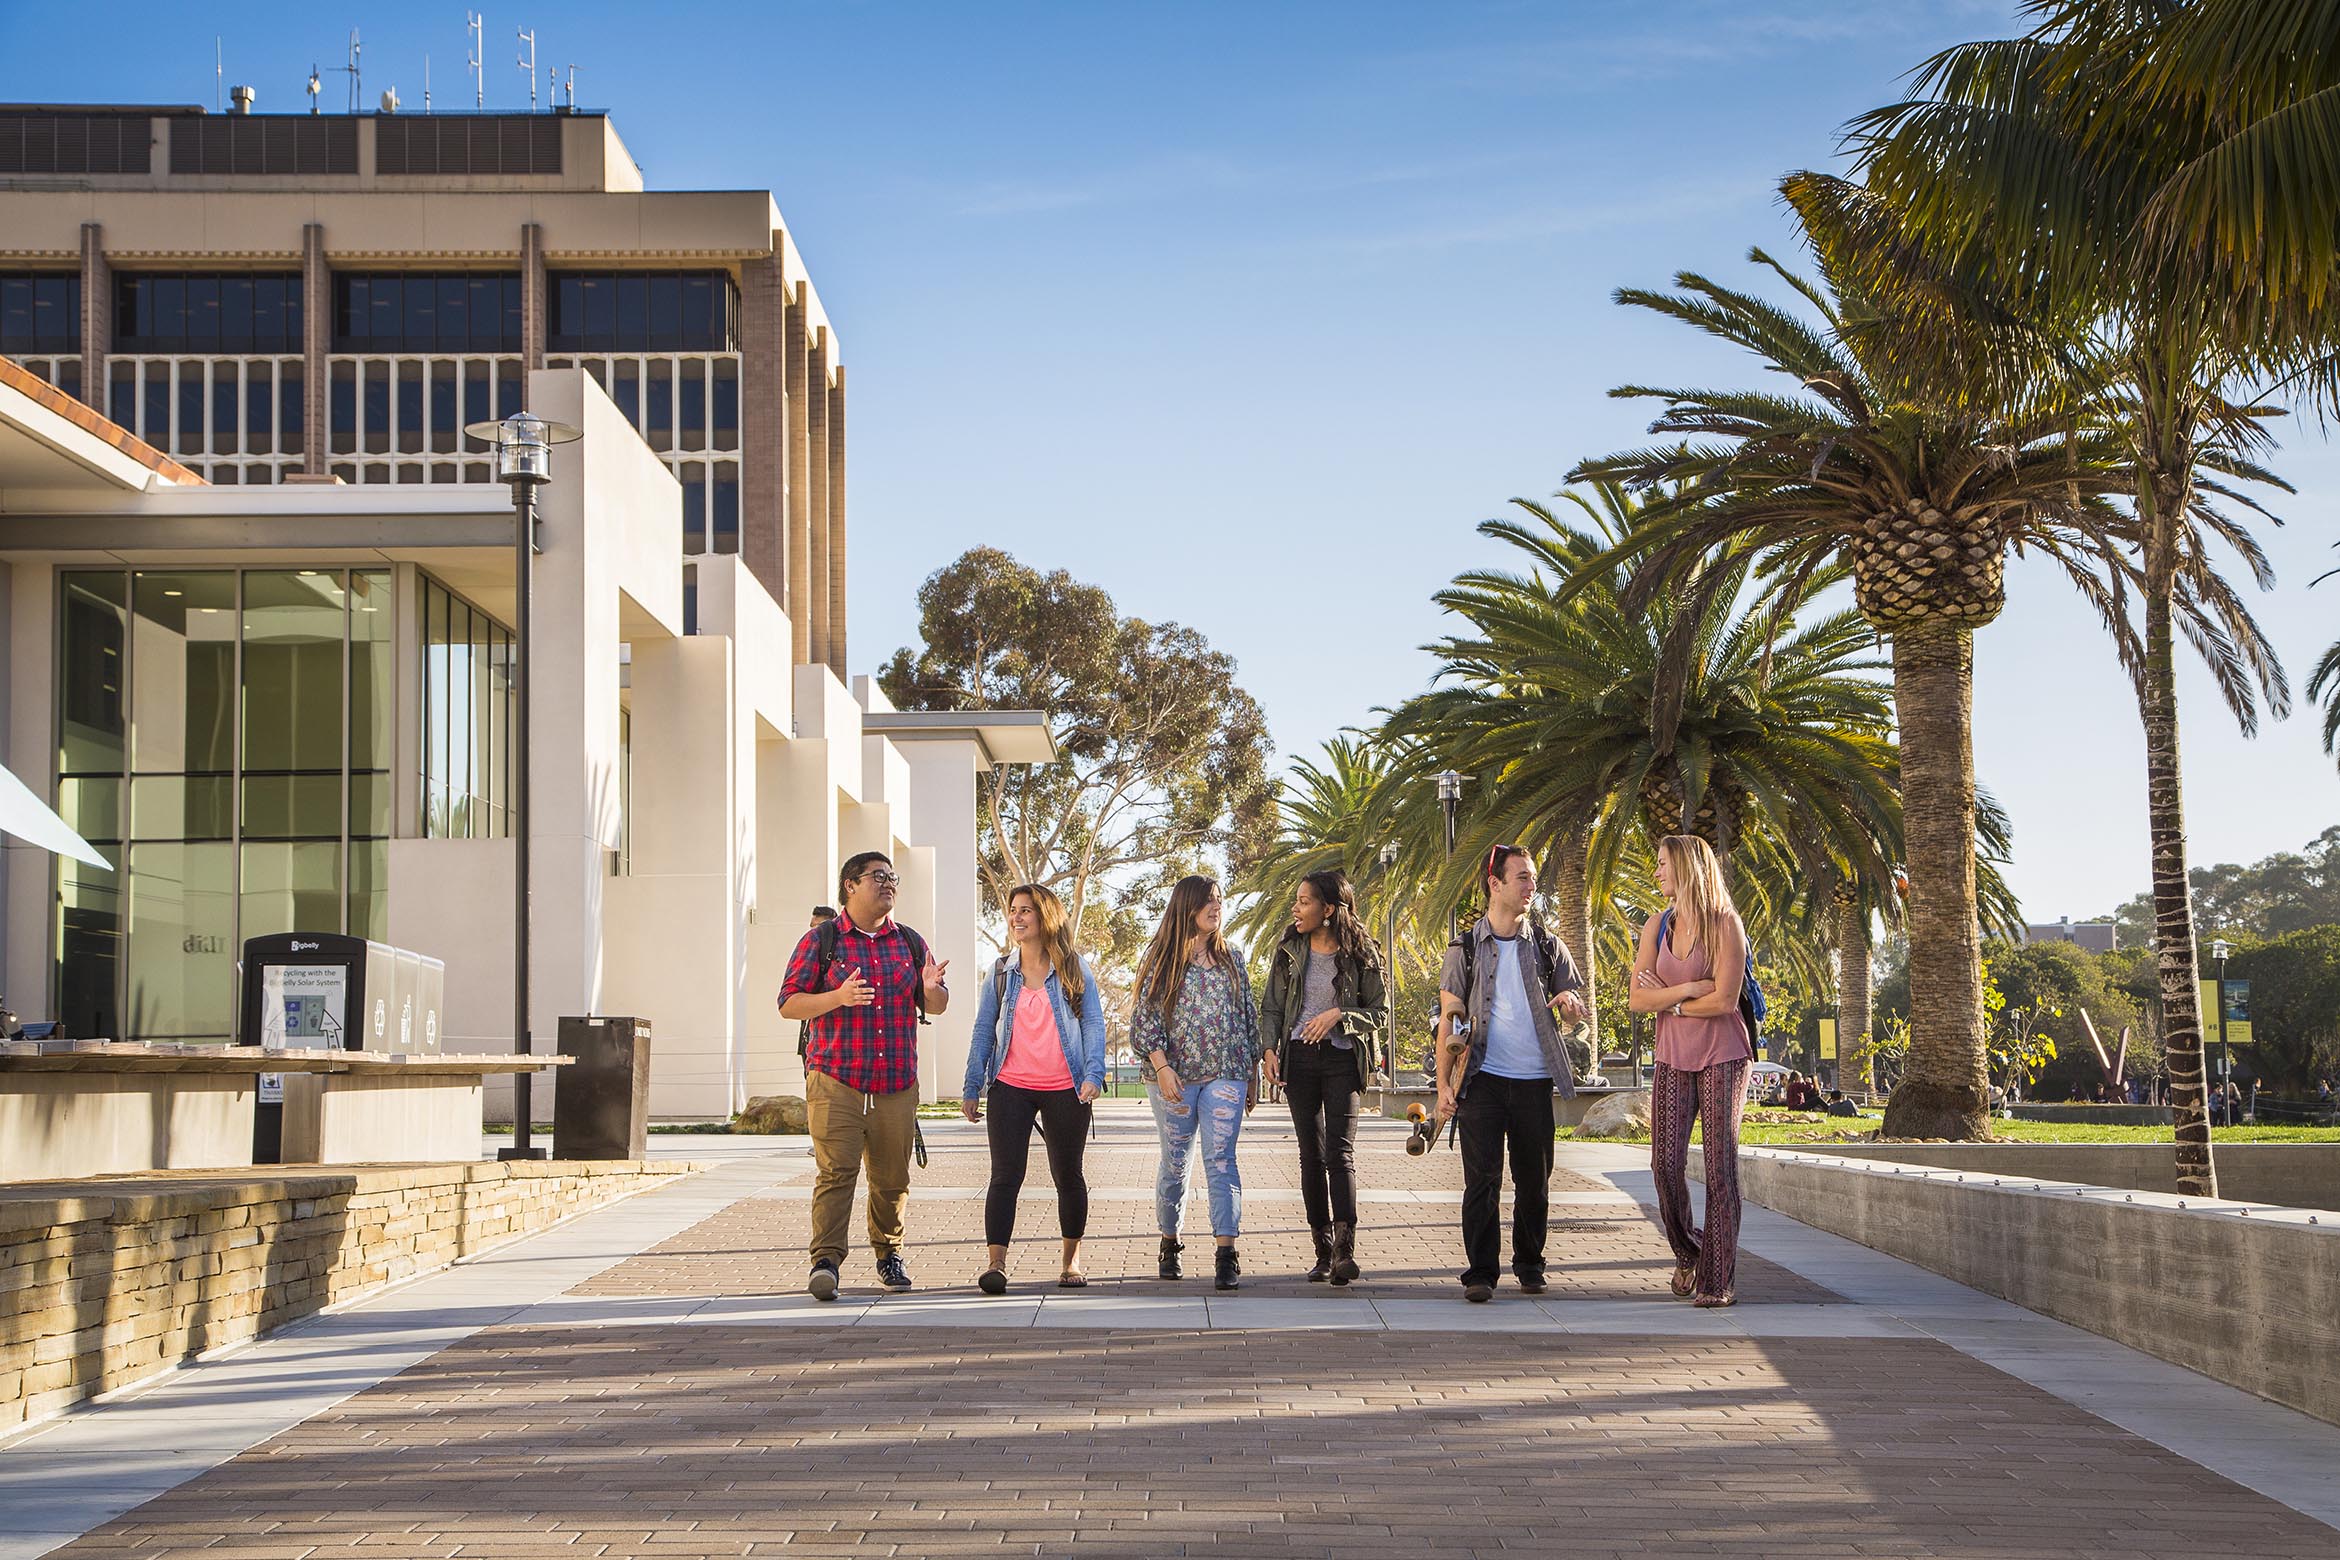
995, 1018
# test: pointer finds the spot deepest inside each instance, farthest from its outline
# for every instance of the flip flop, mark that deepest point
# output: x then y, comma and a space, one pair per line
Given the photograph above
1070, 1279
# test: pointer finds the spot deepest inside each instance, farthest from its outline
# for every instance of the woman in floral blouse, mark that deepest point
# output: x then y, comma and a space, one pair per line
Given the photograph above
1199, 1033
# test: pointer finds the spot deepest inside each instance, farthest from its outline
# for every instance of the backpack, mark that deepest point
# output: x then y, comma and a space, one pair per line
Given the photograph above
827, 935
1752, 1006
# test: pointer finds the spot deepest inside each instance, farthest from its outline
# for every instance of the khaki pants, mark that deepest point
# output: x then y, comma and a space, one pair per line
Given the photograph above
849, 1129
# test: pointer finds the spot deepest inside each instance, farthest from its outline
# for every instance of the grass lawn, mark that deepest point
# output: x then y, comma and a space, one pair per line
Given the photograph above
1787, 1128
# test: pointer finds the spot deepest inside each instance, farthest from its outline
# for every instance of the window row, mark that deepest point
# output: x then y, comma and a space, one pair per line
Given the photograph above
226, 313
40, 312
467, 709
609, 311
385, 406
412, 312
197, 406
710, 505
675, 403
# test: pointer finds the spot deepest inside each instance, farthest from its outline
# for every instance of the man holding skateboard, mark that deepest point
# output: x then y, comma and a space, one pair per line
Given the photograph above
1500, 1056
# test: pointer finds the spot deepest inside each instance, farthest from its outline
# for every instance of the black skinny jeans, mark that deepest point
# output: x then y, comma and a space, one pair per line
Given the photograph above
1323, 1092
1500, 1114
1064, 1122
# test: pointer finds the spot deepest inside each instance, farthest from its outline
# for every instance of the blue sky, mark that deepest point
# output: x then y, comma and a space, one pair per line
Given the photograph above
1250, 312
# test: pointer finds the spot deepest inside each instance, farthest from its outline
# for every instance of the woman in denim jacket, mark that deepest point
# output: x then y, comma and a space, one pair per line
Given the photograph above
1040, 1063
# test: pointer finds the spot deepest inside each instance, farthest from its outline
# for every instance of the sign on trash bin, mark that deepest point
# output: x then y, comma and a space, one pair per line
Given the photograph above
329, 991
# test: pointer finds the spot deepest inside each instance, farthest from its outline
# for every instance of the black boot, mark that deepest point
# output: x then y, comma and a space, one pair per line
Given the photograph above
1324, 1254
1229, 1269
1344, 1242
1170, 1251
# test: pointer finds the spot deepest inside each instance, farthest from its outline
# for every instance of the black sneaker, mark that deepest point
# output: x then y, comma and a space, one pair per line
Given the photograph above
1478, 1294
1531, 1283
1230, 1271
891, 1273
823, 1283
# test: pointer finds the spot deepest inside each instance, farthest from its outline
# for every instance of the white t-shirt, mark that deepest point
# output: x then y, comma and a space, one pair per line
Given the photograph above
1513, 1051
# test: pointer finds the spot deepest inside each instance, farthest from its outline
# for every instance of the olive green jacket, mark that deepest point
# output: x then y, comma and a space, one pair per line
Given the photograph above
1358, 990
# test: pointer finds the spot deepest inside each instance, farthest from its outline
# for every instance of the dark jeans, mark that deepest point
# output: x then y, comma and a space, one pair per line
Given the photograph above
1499, 1115
1064, 1121
1323, 1092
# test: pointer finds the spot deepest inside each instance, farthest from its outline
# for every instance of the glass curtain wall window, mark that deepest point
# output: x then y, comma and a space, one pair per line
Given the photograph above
40, 312
202, 313
224, 738
467, 719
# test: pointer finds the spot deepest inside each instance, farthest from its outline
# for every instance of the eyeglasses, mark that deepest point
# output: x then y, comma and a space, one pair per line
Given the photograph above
882, 878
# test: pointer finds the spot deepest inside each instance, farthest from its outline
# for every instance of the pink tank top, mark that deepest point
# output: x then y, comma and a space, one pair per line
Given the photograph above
1034, 1058
1686, 1043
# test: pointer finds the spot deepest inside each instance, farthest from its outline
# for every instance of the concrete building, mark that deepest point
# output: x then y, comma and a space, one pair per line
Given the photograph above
2094, 936
257, 589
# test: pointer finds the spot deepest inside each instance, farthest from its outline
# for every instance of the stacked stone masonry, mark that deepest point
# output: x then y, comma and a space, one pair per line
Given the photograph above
104, 1283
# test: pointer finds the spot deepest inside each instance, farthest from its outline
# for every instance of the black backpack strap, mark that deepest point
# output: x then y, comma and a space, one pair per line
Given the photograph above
917, 970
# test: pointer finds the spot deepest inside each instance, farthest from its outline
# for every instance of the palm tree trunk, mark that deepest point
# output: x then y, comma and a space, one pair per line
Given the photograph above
2173, 906
1853, 1072
1572, 900
1944, 1091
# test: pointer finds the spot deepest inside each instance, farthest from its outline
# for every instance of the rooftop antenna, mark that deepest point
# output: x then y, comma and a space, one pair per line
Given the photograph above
527, 62
474, 60
572, 89
351, 70
390, 100
426, 83
218, 73
316, 85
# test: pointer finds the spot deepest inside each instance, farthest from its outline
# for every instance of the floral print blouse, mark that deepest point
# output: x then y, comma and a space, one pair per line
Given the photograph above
1212, 1032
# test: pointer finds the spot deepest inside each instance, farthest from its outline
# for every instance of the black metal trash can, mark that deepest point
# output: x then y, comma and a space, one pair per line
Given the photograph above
601, 1101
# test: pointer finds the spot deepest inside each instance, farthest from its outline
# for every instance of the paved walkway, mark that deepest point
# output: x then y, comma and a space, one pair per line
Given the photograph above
648, 1379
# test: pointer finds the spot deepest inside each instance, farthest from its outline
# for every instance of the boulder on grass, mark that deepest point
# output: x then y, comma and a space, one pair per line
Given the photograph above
772, 1113
1619, 1116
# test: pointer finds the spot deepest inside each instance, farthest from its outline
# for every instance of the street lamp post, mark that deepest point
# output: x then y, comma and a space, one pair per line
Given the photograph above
1389, 856
523, 445
2219, 949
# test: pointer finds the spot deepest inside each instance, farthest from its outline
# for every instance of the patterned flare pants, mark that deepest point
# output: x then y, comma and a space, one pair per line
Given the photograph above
1718, 1095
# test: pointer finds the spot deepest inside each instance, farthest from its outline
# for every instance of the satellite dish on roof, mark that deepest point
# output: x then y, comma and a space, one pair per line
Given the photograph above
390, 101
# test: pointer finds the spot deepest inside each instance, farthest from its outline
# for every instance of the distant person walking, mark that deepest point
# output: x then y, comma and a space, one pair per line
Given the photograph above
1500, 1060
1688, 970
1198, 1030
1039, 1051
862, 981
1321, 1018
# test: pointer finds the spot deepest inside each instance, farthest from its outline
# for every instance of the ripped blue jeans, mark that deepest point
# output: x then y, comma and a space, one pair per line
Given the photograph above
1215, 1110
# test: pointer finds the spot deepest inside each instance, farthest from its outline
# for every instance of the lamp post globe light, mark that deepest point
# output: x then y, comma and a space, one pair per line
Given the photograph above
523, 444
1389, 856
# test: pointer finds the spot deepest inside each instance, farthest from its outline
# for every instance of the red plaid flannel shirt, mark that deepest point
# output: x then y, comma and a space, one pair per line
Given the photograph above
873, 1049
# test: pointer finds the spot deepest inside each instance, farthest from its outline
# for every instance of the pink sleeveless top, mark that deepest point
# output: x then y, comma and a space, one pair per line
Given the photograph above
1689, 1044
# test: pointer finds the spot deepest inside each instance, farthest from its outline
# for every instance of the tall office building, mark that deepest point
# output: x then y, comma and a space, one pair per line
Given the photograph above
271, 296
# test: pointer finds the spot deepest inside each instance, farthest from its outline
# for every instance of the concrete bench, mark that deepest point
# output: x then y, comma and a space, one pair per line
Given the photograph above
1391, 1101
96, 1107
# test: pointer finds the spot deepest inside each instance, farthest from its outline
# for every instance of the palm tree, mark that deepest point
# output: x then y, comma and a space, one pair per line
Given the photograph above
1587, 724
2093, 173
1320, 823
1863, 470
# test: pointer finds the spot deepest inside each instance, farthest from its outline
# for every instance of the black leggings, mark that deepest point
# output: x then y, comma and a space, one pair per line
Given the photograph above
1064, 1122
1323, 1091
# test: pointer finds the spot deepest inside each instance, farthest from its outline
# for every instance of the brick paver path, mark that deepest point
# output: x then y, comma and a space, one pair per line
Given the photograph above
804, 1437
1409, 1242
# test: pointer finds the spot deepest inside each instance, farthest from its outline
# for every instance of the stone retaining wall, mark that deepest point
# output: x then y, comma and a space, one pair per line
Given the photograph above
104, 1282
2240, 1292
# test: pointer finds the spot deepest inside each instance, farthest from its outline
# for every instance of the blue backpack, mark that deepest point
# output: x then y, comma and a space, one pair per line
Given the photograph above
1752, 1007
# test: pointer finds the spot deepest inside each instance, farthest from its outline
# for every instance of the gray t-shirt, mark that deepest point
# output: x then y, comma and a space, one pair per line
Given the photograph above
1316, 995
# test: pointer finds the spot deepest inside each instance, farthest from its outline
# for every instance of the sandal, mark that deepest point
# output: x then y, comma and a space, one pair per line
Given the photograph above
1072, 1278
992, 1281
1685, 1280
1727, 1298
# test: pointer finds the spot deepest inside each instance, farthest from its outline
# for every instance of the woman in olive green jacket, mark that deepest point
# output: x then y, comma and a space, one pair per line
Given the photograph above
1322, 1021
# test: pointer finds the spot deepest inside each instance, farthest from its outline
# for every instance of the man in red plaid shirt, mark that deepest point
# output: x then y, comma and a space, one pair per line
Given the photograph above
861, 1063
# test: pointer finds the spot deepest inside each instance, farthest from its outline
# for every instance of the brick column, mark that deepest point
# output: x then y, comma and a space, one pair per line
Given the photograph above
836, 581
816, 502
799, 602
316, 352
763, 422
534, 317
97, 316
